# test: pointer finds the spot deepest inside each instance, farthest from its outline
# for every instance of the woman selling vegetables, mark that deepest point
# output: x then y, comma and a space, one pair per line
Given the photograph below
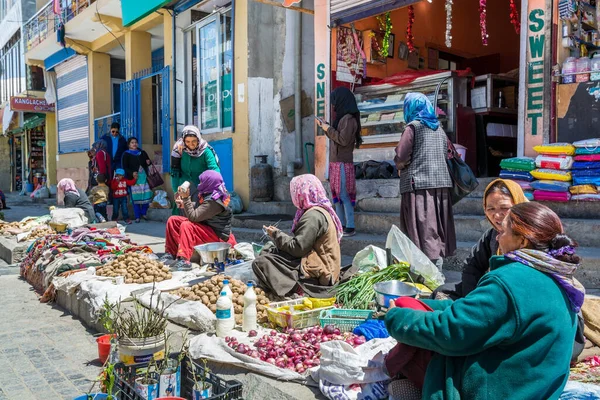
504, 340
309, 261
207, 222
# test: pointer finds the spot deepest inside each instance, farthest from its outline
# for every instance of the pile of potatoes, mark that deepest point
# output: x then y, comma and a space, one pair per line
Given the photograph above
136, 268
208, 293
41, 232
9, 225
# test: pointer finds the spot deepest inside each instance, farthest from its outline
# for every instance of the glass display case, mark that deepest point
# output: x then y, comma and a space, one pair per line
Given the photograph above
381, 106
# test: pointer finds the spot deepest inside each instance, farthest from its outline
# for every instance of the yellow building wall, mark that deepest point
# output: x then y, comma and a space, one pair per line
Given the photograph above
51, 148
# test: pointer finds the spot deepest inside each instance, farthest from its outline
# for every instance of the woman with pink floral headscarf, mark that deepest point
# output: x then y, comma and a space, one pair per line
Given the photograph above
308, 261
76, 198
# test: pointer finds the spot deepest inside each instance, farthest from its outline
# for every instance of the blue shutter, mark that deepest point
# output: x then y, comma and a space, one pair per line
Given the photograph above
166, 119
131, 110
72, 105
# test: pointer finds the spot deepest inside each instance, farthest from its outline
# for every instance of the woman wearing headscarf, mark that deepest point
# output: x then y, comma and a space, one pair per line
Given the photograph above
76, 198
137, 160
191, 156
207, 221
426, 205
308, 262
511, 337
345, 137
499, 196
99, 163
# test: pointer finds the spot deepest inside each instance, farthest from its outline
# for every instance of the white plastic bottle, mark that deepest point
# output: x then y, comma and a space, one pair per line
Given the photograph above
227, 289
249, 322
225, 320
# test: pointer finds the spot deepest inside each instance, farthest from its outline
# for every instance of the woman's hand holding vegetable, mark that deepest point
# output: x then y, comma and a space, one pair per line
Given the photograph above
271, 230
184, 193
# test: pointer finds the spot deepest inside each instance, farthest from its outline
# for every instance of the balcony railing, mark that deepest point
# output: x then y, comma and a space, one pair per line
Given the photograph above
45, 22
102, 125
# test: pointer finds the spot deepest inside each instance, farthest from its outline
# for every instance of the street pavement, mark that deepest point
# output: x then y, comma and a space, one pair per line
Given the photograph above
46, 353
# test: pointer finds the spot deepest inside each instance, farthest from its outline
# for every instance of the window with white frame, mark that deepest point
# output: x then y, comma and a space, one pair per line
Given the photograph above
209, 68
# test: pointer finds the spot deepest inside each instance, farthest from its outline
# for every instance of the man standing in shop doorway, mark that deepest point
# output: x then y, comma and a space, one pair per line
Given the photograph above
115, 145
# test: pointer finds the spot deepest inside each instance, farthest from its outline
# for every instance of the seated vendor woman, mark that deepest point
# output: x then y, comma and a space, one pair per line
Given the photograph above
511, 337
76, 198
308, 262
208, 221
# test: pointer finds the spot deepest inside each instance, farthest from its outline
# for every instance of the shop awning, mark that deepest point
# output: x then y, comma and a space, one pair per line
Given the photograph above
9, 120
346, 11
133, 11
33, 120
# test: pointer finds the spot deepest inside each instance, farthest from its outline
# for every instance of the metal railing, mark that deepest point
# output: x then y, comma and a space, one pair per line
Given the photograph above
102, 125
45, 22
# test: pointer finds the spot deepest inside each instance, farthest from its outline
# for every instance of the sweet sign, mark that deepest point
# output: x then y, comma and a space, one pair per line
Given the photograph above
30, 104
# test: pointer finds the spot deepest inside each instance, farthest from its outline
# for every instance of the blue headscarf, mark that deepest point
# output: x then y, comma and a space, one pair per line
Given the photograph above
417, 107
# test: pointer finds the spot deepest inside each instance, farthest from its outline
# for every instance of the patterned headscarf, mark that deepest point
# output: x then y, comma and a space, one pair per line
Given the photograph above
516, 192
180, 147
417, 107
561, 271
68, 186
307, 192
99, 145
211, 183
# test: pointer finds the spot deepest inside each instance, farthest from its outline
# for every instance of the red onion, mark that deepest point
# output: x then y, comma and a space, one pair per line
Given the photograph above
336, 331
273, 333
252, 333
328, 330
290, 352
296, 338
253, 354
227, 339
271, 361
316, 362
358, 340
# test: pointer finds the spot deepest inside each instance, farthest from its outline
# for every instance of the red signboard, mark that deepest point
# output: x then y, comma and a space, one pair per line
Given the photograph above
30, 104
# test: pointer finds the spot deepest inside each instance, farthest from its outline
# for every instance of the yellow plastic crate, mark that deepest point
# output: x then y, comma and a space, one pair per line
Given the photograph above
280, 314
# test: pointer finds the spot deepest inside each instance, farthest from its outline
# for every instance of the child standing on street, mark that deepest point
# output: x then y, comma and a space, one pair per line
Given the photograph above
99, 197
119, 187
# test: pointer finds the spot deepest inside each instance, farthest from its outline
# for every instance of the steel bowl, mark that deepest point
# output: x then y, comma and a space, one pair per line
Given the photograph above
213, 252
391, 290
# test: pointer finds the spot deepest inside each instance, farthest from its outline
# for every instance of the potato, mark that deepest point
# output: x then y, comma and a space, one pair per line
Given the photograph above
148, 279
139, 280
205, 299
213, 308
128, 280
212, 299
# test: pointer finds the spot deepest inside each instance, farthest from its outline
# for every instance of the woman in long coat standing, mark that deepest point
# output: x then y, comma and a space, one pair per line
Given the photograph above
426, 209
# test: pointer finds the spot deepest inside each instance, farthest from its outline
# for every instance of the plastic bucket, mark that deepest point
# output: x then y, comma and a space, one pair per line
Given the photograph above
461, 150
94, 396
103, 347
136, 351
29, 187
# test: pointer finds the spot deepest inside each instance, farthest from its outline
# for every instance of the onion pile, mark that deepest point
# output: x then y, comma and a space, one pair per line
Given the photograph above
294, 350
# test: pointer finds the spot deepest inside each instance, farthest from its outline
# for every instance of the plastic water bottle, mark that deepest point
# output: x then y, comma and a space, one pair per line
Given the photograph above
225, 319
249, 320
227, 289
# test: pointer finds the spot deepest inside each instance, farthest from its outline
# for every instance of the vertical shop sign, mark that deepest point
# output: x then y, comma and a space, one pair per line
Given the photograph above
322, 83
535, 72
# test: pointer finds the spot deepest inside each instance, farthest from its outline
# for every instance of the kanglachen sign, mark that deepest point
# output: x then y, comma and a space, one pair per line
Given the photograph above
30, 104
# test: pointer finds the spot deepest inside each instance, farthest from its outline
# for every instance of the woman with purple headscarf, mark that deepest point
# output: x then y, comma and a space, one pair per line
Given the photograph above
207, 221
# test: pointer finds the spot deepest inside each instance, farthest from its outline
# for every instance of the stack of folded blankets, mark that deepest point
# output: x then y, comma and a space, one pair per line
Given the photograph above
586, 170
553, 172
519, 170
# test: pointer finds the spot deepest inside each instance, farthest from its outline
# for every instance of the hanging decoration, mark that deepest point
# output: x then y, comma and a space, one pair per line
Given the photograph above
514, 17
410, 39
483, 21
449, 4
385, 25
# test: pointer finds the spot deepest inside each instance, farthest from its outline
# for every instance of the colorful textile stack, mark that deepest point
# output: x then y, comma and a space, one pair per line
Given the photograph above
586, 170
553, 173
518, 169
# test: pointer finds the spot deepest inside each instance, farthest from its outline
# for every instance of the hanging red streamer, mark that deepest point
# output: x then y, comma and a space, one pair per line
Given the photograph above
410, 39
514, 17
483, 21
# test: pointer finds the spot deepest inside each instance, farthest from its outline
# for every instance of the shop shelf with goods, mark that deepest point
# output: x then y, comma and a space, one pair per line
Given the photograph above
382, 106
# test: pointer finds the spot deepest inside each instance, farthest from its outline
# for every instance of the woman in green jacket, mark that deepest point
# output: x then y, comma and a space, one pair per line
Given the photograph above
191, 156
510, 338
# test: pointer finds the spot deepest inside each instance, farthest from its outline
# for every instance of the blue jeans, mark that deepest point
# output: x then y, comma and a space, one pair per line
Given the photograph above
120, 202
344, 208
140, 210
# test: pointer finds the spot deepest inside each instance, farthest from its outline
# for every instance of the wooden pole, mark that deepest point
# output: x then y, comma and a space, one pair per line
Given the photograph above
293, 8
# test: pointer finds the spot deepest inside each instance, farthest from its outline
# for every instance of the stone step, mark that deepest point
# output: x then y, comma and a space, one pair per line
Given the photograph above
469, 228
588, 273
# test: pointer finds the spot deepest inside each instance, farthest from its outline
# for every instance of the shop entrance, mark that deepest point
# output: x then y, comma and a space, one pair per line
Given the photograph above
17, 150
476, 79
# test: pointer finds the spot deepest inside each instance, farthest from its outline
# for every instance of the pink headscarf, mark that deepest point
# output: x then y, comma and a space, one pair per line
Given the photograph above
307, 192
68, 186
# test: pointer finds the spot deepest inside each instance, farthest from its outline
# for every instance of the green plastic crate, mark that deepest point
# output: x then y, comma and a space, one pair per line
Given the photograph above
344, 320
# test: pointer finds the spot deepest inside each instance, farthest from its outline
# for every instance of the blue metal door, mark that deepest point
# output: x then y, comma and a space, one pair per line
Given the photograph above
224, 149
131, 109
166, 118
